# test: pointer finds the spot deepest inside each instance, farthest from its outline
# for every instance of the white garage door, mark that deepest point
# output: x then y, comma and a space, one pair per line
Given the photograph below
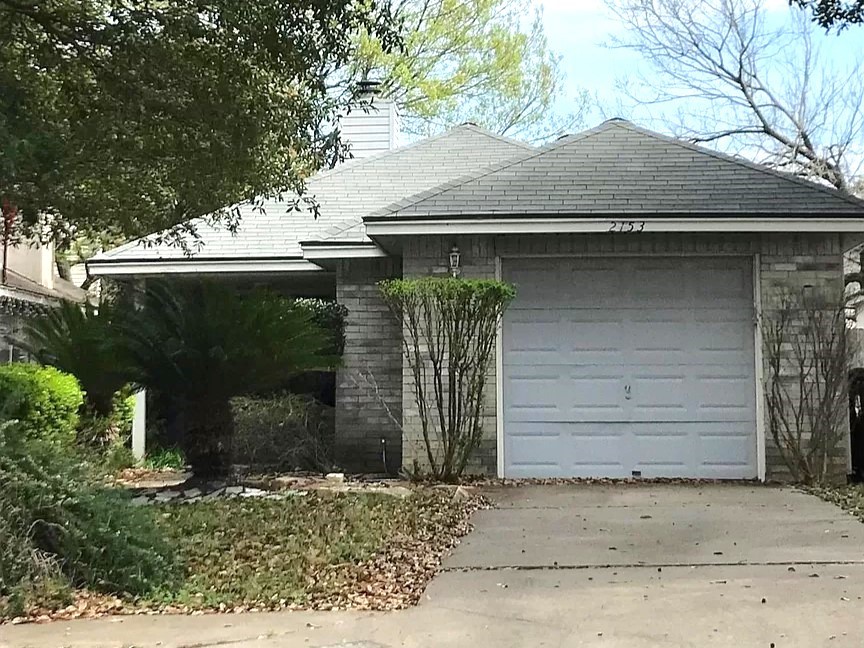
615, 367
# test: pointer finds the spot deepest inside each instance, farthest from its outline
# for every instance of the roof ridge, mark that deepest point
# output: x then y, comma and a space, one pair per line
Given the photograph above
755, 166
353, 163
496, 136
344, 226
336, 230
410, 201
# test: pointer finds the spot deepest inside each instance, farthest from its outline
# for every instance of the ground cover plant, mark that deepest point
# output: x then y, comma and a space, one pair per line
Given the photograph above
319, 550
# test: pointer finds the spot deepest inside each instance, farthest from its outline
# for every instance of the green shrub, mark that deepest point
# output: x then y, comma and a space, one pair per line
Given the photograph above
103, 431
202, 344
85, 341
115, 457
123, 411
58, 525
330, 316
43, 400
449, 327
167, 458
283, 432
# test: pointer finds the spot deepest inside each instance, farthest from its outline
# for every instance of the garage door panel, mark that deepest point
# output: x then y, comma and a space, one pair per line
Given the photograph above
723, 337
555, 393
530, 395
728, 393
573, 450
630, 364
662, 396
593, 335
727, 452
532, 336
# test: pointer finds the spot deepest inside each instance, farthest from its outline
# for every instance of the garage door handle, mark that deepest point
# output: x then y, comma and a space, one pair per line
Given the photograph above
627, 394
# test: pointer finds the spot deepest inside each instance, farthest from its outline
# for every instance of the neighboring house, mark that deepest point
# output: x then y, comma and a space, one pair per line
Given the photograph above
640, 262
30, 287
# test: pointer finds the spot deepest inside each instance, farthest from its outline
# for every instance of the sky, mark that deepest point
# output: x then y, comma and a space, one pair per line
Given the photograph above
578, 29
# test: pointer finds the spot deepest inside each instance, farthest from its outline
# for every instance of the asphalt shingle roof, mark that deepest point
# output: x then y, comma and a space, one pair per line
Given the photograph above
344, 195
618, 168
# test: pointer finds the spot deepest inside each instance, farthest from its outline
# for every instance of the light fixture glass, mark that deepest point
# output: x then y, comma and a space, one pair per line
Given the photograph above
455, 259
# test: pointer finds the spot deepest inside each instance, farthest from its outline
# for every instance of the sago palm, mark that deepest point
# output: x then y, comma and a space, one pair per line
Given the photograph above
83, 340
202, 344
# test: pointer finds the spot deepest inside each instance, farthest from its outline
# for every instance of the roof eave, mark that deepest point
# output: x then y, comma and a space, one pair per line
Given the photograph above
608, 223
197, 266
329, 250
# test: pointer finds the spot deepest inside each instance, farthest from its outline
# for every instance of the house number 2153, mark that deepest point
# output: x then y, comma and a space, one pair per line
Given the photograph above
626, 227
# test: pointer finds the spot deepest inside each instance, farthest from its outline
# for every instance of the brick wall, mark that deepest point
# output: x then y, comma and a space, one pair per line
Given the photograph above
787, 262
371, 373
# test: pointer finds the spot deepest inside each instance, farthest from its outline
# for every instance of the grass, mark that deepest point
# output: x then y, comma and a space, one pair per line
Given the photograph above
170, 458
320, 550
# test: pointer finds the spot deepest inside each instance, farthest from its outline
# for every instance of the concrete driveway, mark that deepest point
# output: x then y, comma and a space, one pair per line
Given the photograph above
634, 566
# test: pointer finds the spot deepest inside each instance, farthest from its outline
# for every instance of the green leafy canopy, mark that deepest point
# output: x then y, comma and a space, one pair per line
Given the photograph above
130, 116
834, 13
481, 61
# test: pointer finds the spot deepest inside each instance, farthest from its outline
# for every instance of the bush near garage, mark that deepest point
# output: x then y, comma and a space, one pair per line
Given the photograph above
449, 327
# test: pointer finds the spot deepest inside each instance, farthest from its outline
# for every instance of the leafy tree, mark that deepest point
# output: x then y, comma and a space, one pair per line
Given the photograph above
124, 117
483, 61
834, 13
759, 87
201, 345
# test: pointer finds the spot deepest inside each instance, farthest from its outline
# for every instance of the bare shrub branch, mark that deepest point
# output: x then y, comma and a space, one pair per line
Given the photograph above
806, 394
766, 89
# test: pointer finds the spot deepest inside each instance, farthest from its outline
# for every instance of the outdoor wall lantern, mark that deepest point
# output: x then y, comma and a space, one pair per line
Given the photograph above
455, 258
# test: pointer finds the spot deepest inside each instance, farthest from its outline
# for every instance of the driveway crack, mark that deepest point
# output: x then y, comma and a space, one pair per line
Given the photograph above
640, 565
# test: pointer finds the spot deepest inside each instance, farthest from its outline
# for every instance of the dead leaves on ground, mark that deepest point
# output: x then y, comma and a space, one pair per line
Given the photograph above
392, 577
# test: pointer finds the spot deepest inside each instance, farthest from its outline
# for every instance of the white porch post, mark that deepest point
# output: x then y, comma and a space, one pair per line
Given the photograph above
139, 416
139, 425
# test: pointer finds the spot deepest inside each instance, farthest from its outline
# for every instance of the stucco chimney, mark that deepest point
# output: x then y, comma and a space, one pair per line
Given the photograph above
373, 126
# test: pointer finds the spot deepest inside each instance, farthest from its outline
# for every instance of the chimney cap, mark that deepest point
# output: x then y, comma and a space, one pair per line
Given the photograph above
366, 87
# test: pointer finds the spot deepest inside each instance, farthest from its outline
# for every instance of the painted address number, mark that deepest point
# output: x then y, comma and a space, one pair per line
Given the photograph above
626, 226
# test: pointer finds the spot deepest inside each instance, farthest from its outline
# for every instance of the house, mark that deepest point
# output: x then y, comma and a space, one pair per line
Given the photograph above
29, 285
641, 264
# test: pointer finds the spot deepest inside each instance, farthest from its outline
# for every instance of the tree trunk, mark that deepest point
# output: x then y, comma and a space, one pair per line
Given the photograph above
208, 432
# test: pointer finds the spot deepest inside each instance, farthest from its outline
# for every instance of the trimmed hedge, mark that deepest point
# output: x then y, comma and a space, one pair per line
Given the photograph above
43, 400
462, 292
